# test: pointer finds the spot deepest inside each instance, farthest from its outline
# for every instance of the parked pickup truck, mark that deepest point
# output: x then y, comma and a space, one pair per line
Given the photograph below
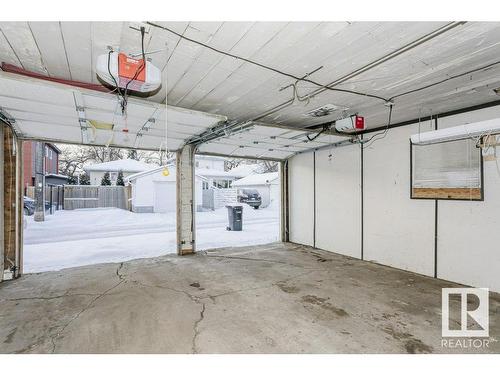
250, 197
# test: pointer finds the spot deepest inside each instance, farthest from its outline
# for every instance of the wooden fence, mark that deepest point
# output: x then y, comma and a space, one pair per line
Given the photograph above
83, 196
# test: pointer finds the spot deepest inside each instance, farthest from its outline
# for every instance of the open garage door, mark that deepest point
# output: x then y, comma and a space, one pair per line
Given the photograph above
238, 202
56, 112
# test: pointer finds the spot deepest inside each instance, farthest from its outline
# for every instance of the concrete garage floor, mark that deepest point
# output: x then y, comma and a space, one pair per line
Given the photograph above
277, 298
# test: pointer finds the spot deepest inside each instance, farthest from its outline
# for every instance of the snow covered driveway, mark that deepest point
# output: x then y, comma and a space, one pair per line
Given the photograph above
91, 236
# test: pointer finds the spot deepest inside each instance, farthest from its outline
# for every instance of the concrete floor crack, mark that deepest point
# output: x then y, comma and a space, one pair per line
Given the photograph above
88, 306
120, 276
196, 329
50, 298
193, 298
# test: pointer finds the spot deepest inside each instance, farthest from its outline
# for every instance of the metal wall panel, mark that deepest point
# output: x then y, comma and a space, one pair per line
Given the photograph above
301, 199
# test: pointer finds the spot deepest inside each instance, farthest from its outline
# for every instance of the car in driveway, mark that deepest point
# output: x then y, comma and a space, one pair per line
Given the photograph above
29, 206
250, 197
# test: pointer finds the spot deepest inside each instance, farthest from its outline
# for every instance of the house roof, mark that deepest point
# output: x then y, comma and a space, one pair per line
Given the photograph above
54, 147
171, 176
257, 179
56, 175
208, 172
125, 165
244, 170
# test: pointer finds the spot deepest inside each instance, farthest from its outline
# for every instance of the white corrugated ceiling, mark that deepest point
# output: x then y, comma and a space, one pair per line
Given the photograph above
204, 80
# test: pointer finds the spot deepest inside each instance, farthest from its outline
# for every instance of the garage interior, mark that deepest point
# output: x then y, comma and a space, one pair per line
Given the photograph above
365, 250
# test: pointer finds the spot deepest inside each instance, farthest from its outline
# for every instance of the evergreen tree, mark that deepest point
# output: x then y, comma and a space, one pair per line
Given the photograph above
119, 179
72, 180
106, 181
132, 154
84, 179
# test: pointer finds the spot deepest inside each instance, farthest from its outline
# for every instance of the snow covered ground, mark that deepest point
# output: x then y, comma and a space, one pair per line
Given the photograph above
90, 236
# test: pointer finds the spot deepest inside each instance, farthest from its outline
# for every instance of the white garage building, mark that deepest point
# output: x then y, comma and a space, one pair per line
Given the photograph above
152, 191
267, 184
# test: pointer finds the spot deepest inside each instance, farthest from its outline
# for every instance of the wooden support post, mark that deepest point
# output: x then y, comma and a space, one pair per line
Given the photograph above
2, 184
11, 185
185, 201
19, 207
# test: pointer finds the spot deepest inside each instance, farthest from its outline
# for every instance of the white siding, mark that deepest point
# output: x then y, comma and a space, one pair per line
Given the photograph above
398, 231
469, 232
338, 200
301, 199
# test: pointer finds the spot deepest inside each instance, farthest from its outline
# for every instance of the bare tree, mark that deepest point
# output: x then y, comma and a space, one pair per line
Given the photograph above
156, 157
73, 158
268, 166
103, 154
264, 166
230, 163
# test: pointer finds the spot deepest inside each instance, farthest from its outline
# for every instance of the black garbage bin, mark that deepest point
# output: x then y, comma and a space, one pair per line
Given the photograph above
235, 216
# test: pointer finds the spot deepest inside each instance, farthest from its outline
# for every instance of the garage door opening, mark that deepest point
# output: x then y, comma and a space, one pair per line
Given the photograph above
100, 205
238, 202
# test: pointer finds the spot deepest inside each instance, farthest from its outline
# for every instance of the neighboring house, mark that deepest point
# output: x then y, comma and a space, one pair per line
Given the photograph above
216, 178
51, 164
267, 184
214, 187
127, 166
212, 168
154, 192
209, 162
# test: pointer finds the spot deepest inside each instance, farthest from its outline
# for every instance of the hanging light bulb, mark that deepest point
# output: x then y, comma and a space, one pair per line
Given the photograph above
165, 171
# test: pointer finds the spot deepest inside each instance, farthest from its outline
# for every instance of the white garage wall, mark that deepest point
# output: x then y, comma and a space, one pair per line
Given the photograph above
398, 231
338, 200
143, 192
301, 199
469, 232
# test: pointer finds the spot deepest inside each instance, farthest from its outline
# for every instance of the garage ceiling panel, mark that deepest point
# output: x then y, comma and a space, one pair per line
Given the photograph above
58, 121
267, 142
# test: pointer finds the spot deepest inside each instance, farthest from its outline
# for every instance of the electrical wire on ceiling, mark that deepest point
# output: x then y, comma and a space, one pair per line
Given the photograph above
485, 67
377, 136
267, 67
305, 98
325, 128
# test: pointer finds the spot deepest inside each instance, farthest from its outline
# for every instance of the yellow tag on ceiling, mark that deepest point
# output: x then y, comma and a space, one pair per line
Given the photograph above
101, 125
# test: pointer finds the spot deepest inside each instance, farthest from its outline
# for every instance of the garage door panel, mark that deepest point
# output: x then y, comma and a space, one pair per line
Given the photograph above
164, 196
